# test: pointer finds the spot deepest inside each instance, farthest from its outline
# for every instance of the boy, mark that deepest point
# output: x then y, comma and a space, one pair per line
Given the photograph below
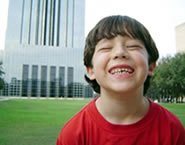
120, 57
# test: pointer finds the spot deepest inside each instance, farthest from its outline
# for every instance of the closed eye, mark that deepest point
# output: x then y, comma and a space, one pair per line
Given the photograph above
104, 49
134, 47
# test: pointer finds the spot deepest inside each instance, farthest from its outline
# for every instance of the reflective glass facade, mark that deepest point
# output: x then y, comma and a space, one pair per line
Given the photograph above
43, 83
25, 80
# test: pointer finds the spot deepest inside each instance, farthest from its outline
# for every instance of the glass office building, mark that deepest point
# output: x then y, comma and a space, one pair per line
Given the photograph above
44, 49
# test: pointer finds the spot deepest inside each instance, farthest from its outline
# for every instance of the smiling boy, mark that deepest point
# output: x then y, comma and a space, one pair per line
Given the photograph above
120, 57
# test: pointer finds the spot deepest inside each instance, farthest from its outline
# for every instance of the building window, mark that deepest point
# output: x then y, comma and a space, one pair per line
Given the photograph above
88, 91
25, 80
70, 71
77, 89
61, 81
43, 85
52, 81
34, 81
14, 87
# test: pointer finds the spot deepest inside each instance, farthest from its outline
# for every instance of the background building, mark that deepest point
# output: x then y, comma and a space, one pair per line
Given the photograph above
180, 38
44, 49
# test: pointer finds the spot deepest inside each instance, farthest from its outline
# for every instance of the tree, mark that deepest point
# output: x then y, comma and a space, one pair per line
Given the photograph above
168, 82
1, 77
178, 73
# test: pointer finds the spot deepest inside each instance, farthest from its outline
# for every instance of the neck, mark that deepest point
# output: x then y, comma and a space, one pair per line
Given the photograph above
122, 109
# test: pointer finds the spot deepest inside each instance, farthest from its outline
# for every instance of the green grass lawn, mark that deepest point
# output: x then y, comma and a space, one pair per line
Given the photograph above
34, 122
38, 122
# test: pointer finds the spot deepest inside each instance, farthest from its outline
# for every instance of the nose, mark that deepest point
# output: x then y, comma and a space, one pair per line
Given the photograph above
120, 52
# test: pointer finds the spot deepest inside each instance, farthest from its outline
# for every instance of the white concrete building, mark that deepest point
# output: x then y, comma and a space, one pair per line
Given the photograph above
44, 48
180, 38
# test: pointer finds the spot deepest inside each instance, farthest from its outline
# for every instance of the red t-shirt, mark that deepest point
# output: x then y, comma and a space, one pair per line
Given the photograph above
88, 127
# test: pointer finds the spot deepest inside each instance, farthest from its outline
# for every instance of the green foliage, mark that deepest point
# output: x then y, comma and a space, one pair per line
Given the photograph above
168, 81
1, 77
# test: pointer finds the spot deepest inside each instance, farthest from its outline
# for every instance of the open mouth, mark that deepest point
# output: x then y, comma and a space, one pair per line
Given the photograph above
121, 69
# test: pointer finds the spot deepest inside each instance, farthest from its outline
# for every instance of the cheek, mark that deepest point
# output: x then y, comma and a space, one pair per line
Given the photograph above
99, 60
142, 61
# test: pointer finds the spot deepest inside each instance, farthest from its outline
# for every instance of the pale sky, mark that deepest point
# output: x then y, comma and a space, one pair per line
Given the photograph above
159, 16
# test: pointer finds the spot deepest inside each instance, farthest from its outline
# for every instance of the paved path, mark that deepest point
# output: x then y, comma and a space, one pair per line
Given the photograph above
5, 98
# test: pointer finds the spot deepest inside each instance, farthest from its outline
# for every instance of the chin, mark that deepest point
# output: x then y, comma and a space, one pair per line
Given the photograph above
125, 89
122, 90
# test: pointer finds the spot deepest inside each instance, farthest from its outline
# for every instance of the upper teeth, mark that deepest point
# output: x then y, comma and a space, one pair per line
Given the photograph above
121, 70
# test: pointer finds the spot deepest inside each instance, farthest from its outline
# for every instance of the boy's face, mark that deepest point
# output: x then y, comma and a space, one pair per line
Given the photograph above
120, 64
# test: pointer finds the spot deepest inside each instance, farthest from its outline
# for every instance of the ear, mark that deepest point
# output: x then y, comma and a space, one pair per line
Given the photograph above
90, 73
151, 68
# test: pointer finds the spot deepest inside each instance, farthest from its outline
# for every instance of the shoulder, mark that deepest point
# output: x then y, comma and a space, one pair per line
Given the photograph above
166, 115
169, 124
73, 130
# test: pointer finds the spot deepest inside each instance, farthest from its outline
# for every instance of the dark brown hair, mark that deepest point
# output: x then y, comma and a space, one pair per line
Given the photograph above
111, 26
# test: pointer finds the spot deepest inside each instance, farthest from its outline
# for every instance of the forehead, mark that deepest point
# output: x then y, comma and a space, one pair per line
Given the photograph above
123, 39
